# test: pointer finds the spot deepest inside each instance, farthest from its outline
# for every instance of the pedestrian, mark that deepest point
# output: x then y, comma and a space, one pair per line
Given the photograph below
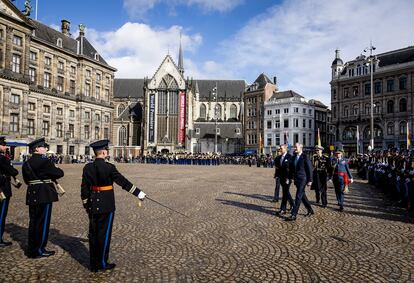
321, 174
98, 199
6, 172
301, 173
341, 177
276, 175
40, 174
284, 176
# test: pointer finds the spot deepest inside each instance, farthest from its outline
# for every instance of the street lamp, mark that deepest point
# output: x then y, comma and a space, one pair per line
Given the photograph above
371, 61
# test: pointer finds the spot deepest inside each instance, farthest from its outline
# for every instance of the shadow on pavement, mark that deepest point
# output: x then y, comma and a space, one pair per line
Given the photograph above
248, 206
255, 196
72, 245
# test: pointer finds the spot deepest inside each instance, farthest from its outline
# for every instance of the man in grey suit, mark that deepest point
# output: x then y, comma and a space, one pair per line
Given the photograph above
282, 169
301, 173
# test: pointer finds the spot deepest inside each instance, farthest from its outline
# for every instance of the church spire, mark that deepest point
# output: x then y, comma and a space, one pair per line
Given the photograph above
180, 59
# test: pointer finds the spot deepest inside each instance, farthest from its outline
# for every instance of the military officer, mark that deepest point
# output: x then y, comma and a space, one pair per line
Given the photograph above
6, 172
341, 175
98, 199
321, 174
40, 174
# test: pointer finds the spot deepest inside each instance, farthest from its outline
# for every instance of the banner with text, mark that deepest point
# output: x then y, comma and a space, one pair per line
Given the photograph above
151, 120
181, 128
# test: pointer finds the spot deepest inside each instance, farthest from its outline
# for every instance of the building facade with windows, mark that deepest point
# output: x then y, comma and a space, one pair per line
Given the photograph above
393, 74
52, 85
322, 123
288, 118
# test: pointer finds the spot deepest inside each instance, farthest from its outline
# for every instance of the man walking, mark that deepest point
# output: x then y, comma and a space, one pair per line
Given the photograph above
301, 173
98, 199
321, 173
283, 167
341, 175
6, 172
276, 175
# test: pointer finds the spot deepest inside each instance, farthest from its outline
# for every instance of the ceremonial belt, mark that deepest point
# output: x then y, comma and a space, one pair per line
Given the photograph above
103, 188
321, 169
345, 176
38, 182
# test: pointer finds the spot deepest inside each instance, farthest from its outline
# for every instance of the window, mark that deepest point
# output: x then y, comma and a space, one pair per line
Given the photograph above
310, 124
346, 111
87, 89
108, 80
390, 106
403, 128
45, 128
367, 109
310, 111
32, 75
87, 115
31, 126
72, 87
304, 123
295, 137
106, 119
17, 40
60, 83
121, 109
390, 129
98, 77
197, 131
61, 65
46, 109
59, 130
106, 133
59, 42
277, 139
304, 139
16, 63
33, 56
403, 105
14, 122
98, 92
88, 73
403, 83
286, 110
277, 124
48, 61
218, 111
390, 85
296, 110
367, 89
32, 106
286, 123
377, 107
72, 113
97, 117
106, 98
277, 111
355, 109
233, 112
60, 111
269, 124
86, 132
59, 149
304, 110
349, 133
97, 133
377, 87
46, 80
237, 131
15, 98
72, 130
355, 91
295, 122
72, 70
72, 150
269, 112
310, 137
346, 92
269, 140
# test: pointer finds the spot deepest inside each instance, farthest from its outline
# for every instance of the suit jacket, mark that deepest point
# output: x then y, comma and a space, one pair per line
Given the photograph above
301, 171
282, 170
6, 171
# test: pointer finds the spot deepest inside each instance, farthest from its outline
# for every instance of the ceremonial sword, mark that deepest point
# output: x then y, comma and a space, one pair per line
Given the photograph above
173, 210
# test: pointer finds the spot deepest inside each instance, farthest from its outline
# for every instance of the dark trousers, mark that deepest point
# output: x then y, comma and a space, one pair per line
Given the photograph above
39, 224
320, 186
286, 196
277, 189
100, 232
339, 185
301, 197
4, 207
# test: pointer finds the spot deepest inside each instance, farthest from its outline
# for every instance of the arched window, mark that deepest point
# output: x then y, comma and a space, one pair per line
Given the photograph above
122, 136
218, 111
203, 111
121, 109
377, 132
349, 134
403, 105
233, 111
59, 42
355, 109
346, 111
390, 128
367, 109
377, 107
403, 128
390, 106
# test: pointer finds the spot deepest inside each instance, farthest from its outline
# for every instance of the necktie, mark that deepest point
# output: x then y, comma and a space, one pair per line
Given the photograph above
296, 161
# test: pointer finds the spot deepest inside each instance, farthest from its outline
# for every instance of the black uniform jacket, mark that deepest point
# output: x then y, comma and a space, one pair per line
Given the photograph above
102, 174
44, 169
282, 170
301, 171
6, 170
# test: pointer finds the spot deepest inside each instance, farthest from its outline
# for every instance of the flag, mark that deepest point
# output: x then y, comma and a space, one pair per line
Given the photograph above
319, 138
408, 137
357, 138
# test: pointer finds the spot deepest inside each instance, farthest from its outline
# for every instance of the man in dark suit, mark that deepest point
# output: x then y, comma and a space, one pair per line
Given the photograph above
301, 173
276, 175
282, 171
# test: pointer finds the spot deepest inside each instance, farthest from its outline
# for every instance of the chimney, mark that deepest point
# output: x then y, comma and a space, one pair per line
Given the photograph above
275, 80
337, 54
65, 27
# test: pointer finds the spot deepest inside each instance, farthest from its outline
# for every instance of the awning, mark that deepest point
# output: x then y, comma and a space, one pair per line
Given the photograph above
13, 143
250, 151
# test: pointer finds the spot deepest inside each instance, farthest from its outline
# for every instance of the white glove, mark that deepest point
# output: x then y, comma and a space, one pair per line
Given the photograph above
351, 180
142, 195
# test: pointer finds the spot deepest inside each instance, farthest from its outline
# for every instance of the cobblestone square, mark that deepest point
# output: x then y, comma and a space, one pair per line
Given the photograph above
231, 235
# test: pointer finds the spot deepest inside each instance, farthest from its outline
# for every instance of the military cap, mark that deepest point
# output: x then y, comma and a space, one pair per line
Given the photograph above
318, 147
101, 144
340, 151
2, 140
40, 142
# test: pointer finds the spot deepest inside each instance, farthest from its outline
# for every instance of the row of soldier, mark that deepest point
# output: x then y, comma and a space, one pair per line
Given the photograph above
392, 171
40, 175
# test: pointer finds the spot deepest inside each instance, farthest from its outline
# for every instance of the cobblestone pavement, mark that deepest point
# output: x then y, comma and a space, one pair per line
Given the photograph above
232, 234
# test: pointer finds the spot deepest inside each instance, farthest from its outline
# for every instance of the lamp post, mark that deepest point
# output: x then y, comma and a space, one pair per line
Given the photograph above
371, 62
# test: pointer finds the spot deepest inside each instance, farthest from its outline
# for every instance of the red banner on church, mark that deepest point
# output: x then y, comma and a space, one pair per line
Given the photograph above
181, 128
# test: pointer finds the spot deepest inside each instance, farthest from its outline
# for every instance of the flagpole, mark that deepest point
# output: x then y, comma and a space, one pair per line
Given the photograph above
357, 138
36, 10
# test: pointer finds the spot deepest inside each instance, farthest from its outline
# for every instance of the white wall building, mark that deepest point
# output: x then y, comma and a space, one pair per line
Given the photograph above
288, 118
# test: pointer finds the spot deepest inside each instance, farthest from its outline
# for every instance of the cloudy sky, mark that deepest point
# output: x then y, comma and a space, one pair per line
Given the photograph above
294, 40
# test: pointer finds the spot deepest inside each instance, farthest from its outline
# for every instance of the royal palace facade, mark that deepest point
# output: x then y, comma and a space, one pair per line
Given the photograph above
52, 84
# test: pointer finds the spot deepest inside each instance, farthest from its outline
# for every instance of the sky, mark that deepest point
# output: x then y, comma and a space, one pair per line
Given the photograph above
294, 40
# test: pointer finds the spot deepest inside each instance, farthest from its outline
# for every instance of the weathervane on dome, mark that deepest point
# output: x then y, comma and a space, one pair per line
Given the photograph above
27, 8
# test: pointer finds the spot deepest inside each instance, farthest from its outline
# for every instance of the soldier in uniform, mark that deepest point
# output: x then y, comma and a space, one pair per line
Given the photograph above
6, 172
341, 175
321, 174
99, 201
40, 174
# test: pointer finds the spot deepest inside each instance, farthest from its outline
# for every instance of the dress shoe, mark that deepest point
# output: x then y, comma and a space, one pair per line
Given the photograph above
341, 208
5, 244
108, 266
310, 213
324, 206
281, 212
47, 253
291, 218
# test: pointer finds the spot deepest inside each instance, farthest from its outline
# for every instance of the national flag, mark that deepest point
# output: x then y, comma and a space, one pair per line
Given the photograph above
319, 138
408, 137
